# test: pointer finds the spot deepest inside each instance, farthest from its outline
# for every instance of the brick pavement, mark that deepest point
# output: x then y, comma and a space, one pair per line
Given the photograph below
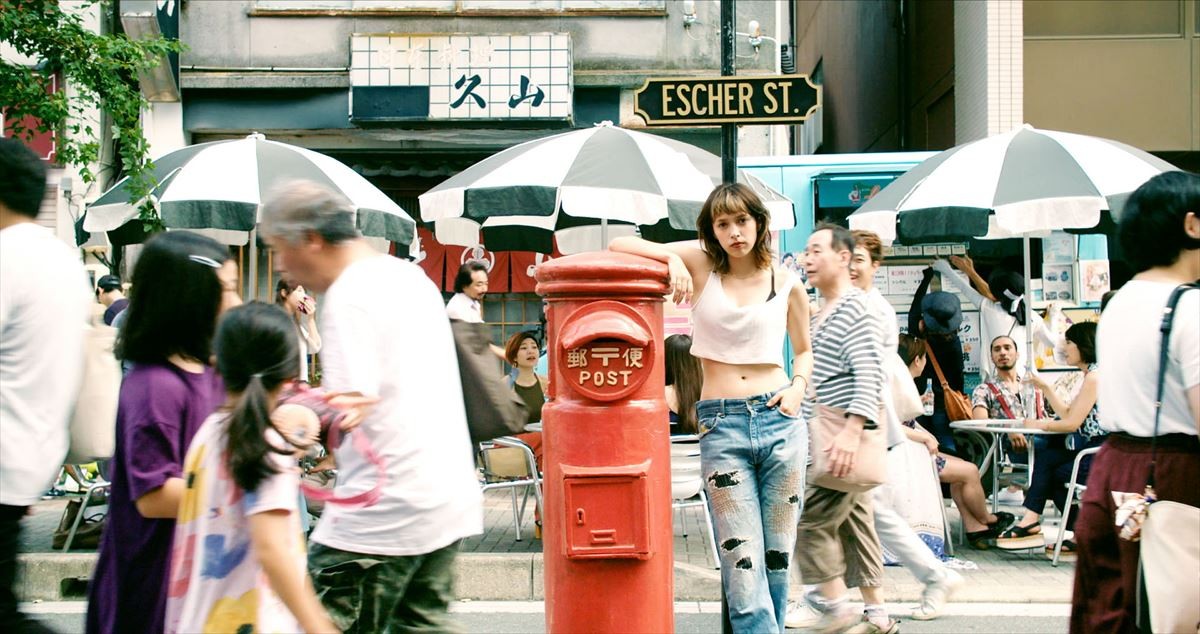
1001, 577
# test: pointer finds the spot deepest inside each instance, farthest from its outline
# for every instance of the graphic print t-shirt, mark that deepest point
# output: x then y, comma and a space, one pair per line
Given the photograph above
217, 584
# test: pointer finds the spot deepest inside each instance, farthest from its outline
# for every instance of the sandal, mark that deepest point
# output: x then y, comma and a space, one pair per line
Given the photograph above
1067, 553
1021, 537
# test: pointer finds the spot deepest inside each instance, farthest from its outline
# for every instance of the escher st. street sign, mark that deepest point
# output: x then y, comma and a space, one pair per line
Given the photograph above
664, 101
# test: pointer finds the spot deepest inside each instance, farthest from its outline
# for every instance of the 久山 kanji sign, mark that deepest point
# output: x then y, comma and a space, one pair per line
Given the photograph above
712, 100
452, 77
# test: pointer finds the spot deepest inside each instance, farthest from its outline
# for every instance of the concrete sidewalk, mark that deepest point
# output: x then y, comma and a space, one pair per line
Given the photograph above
495, 566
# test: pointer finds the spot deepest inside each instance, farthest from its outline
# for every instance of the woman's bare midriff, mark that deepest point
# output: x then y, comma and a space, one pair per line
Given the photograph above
724, 380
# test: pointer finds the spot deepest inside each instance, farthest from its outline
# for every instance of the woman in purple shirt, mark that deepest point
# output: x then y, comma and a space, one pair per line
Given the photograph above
182, 282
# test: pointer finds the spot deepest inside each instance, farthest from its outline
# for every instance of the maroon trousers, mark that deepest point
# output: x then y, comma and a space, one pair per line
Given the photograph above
1106, 579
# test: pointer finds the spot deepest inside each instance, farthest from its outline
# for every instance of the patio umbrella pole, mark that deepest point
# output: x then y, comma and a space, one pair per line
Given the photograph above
254, 264
603, 234
1028, 305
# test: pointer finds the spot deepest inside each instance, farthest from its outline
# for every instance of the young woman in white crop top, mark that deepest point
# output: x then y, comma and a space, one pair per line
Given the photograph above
753, 445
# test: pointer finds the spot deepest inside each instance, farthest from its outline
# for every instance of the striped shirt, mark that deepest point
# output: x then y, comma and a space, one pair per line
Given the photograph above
848, 359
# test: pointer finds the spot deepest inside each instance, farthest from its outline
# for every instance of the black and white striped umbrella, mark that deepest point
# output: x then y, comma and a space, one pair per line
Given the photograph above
1019, 184
1026, 182
220, 185
578, 186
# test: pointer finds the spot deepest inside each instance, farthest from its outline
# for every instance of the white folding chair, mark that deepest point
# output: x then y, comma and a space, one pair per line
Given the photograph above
1075, 491
527, 478
687, 485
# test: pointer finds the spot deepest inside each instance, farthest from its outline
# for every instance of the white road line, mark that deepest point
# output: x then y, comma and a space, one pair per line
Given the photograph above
712, 607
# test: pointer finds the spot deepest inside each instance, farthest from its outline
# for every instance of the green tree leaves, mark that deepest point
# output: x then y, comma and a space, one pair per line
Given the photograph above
99, 71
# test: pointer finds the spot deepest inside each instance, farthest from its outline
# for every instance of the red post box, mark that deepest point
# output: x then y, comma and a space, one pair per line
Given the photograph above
608, 543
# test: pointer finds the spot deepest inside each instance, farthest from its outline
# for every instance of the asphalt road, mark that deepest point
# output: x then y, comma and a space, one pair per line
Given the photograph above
690, 618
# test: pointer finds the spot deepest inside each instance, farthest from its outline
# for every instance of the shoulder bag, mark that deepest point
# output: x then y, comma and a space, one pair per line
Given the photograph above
493, 410
870, 459
958, 406
1170, 550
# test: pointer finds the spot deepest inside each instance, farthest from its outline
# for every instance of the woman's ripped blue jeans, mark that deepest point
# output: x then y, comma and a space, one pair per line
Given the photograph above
753, 461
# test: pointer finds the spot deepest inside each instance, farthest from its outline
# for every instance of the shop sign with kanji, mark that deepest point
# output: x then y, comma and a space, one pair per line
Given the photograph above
460, 77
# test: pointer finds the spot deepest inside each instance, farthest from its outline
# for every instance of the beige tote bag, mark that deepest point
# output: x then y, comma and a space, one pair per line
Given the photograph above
1171, 566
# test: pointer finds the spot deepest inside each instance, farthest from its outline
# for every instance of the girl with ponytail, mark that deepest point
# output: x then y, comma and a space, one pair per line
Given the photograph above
239, 562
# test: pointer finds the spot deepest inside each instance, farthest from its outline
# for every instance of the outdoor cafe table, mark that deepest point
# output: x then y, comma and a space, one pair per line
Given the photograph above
997, 427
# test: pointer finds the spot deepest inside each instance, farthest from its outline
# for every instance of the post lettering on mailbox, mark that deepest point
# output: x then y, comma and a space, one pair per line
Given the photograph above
608, 365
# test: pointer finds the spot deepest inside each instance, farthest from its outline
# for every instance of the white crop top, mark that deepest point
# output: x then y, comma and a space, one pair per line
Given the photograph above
754, 334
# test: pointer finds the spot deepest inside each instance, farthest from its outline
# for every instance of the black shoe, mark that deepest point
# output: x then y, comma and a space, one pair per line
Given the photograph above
1004, 519
982, 540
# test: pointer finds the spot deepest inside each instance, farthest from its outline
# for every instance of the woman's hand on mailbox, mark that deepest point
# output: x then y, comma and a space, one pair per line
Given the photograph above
789, 400
681, 280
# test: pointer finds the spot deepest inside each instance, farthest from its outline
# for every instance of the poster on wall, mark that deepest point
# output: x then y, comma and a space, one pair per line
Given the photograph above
968, 333
880, 281
1058, 248
794, 261
903, 280
1094, 280
1058, 283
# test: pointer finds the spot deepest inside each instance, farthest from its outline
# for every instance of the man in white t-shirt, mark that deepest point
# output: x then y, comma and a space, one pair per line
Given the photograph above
44, 305
1160, 239
470, 285
385, 566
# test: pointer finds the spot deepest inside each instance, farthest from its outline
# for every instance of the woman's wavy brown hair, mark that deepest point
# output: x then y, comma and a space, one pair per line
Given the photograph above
732, 199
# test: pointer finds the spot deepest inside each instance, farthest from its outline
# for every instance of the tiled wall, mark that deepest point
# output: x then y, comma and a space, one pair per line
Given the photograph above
989, 67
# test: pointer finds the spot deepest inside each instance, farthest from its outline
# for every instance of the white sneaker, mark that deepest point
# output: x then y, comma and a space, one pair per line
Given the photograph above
1011, 498
800, 615
935, 596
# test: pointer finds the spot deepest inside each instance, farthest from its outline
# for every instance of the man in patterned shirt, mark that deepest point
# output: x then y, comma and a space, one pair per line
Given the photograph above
1001, 398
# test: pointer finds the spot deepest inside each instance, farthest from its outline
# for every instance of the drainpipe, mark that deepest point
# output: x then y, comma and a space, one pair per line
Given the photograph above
902, 76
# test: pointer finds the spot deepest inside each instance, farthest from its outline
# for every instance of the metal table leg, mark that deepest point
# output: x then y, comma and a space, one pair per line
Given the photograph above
995, 451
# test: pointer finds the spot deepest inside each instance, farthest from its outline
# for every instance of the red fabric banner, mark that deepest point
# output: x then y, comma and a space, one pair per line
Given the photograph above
498, 266
433, 257
508, 271
523, 265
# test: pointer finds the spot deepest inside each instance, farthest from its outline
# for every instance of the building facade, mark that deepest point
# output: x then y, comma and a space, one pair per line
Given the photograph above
930, 74
410, 92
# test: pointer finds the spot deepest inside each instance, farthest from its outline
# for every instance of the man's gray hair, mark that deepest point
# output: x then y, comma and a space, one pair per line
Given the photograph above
297, 209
